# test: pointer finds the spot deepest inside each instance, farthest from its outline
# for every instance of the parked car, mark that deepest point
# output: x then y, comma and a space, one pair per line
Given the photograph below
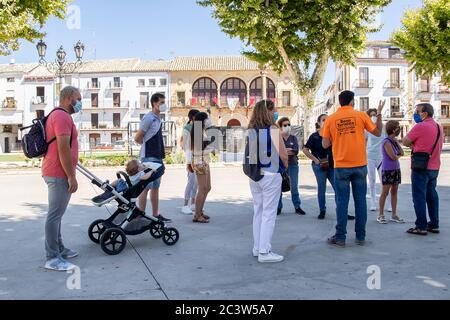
103, 146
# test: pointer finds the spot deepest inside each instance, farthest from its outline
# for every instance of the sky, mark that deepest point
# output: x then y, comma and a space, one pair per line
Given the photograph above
158, 29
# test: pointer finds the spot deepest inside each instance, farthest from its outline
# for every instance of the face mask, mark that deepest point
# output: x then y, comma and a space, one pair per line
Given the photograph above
276, 115
287, 129
208, 123
163, 108
374, 119
77, 107
417, 118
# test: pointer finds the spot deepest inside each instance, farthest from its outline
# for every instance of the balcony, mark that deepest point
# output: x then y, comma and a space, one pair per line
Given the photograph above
9, 104
93, 86
444, 89
103, 126
115, 85
106, 104
363, 84
397, 114
39, 101
396, 85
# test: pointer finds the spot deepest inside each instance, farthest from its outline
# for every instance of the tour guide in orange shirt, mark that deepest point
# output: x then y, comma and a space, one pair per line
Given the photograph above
345, 131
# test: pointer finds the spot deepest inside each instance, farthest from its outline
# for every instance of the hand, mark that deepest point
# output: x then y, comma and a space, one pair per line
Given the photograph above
73, 184
381, 106
317, 161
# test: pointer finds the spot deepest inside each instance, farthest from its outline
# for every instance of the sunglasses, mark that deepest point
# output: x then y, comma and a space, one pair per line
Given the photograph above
286, 125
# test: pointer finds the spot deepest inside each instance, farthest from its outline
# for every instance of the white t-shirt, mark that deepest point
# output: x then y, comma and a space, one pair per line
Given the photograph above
137, 177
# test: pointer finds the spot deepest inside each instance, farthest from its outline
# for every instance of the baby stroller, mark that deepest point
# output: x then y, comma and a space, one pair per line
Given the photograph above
112, 233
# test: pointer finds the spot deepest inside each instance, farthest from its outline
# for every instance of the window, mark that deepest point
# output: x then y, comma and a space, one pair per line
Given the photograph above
10, 102
395, 104
395, 78
181, 98
40, 114
10, 80
424, 84
94, 140
445, 109
94, 82
141, 82
94, 100
40, 94
364, 103
94, 120
116, 100
286, 98
231, 89
7, 129
152, 82
256, 89
144, 100
363, 77
115, 137
204, 91
163, 82
117, 82
116, 120
394, 52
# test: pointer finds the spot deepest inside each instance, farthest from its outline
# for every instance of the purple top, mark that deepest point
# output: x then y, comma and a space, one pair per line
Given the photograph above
388, 163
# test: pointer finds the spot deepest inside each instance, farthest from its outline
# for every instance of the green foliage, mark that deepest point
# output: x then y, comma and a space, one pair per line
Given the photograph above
107, 160
22, 19
425, 36
298, 35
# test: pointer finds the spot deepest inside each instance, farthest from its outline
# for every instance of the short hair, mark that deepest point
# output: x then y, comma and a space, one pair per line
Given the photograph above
156, 97
428, 108
391, 126
132, 167
283, 119
68, 92
371, 110
346, 97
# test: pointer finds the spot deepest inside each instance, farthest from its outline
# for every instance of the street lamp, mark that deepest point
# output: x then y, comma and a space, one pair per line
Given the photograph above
60, 66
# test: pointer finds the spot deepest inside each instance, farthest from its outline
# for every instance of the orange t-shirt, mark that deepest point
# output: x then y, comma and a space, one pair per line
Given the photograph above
346, 128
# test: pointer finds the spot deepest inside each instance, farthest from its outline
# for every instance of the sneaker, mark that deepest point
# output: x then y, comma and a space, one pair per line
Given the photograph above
300, 211
193, 207
278, 212
255, 253
335, 242
360, 242
59, 264
389, 209
350, 218
397, 219
162, 219
69, 254
373, 208
186, 210
269, 257
381, 220
321, 215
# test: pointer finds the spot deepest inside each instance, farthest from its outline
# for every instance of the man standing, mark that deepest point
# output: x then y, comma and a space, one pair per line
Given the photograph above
426, 136
152, 150
345, 130
58, 171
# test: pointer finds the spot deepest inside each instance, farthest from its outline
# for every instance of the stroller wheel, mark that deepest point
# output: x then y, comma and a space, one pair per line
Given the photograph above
113, 241
156, 230
171, 236
95, 230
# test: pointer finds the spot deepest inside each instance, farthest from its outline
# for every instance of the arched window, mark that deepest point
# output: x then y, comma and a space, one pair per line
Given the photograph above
204, 91
233, 88
256, 90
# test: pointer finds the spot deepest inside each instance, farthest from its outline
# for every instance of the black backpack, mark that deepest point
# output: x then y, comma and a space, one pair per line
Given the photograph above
34, 143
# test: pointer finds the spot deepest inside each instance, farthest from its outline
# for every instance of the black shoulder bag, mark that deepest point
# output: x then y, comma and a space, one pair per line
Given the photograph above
419, 160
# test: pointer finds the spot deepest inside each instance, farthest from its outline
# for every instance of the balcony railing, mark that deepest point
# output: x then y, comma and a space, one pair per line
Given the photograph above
444, 89
124, 104
445, 116
394, 84
93, 86
102, 126
39, 100
9, 104
116, 84
397, 114
363, 83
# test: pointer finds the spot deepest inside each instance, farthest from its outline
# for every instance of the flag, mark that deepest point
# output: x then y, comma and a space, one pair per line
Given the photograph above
193, 101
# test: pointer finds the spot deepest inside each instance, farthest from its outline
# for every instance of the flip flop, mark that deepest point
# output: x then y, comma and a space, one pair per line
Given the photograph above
200, 219
417, 231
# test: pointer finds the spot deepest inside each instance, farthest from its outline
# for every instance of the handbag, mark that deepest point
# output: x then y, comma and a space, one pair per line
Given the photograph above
420, 160
286, 182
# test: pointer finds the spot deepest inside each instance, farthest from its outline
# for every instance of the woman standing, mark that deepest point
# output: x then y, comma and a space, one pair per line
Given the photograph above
200, 164
266, 192
291, 144
191, 187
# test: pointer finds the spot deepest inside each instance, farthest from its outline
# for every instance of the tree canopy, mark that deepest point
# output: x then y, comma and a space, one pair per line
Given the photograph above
425, 36
23, 19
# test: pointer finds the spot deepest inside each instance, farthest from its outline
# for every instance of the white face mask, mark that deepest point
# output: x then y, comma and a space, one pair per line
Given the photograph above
208, 123
163, 108
374, 119
287, 129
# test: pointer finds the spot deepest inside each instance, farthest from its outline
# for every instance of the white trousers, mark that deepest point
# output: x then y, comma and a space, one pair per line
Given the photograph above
374, 169
266, 194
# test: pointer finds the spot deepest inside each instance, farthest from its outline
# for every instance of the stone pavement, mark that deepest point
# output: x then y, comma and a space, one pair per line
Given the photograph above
214, 261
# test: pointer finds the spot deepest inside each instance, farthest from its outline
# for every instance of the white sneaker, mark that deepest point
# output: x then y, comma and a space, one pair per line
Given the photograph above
186, 210
373, 208
269, 257
255, 253
389, 210
193, 207
59, 264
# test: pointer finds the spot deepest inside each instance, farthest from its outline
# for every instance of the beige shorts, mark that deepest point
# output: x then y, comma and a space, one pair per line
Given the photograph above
201, 168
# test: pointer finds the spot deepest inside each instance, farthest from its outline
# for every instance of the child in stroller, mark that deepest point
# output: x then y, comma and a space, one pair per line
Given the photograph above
128, 219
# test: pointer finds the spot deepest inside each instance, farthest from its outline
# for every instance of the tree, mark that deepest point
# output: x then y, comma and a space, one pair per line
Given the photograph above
299, 36
425, 37
22, 19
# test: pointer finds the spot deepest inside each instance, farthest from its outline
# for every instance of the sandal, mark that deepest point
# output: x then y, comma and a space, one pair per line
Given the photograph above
200, 219
417, 231
205, 216
397, 219
381, 220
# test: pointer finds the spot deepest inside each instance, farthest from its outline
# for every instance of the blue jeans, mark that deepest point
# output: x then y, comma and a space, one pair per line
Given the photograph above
293, 174
357, 178
321, 178
425, 195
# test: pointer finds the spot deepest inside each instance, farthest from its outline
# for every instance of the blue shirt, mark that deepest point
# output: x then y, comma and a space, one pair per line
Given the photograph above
315, 145
150, 125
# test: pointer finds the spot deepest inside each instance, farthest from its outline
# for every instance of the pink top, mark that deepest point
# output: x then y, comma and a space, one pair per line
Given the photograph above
423, 136
59, 124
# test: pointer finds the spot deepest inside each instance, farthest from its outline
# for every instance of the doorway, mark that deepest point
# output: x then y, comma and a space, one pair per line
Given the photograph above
7, 148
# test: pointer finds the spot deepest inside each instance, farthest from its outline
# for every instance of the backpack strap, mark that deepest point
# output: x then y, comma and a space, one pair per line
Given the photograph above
437, 138
71, 129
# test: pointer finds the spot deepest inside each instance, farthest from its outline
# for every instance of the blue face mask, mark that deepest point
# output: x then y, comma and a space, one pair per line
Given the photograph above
276, 115
77, 107
417, 118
